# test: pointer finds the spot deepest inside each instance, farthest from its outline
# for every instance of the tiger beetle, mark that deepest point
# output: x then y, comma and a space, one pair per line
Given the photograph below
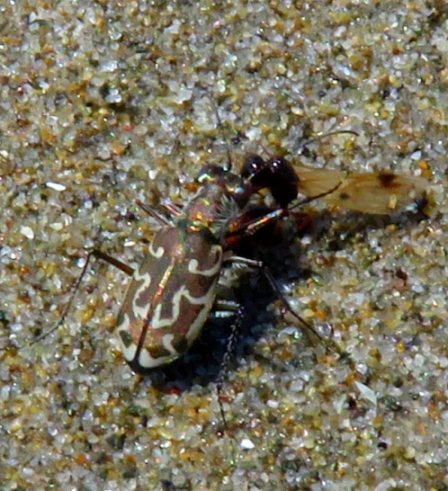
173, 291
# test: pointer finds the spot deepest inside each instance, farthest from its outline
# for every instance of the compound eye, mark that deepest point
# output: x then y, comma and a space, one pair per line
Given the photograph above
276, 165
209, 173
252, 165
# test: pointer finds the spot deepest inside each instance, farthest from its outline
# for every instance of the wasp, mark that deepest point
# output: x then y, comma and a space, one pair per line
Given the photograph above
380, 193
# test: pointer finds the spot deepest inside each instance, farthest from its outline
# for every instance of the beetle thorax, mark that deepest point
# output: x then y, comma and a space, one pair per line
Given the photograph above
217, 201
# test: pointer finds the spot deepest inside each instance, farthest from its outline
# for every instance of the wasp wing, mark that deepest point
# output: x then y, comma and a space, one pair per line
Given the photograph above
379, 193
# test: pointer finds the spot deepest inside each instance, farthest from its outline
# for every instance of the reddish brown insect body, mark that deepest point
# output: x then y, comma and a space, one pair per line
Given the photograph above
173, 290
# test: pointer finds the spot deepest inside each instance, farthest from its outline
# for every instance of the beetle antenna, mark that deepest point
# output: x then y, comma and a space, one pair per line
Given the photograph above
228, 166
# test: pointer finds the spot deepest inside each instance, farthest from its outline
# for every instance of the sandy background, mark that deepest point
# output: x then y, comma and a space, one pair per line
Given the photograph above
103, 103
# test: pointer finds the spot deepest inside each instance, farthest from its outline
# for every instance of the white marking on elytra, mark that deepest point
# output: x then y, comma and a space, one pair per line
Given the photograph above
141, 311
156, 253
158, 322
145, 360
199, 322
146, 277
125, 325
129, 352
214, 270
167, 342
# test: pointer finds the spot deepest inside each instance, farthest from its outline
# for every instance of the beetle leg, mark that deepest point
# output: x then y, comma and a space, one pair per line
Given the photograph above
100, 255
172, 209
226, 308
154, 214
259, 265
111, 260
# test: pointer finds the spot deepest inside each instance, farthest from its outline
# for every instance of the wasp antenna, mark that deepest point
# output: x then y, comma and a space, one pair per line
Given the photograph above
266, 151
305, 143
251, 227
